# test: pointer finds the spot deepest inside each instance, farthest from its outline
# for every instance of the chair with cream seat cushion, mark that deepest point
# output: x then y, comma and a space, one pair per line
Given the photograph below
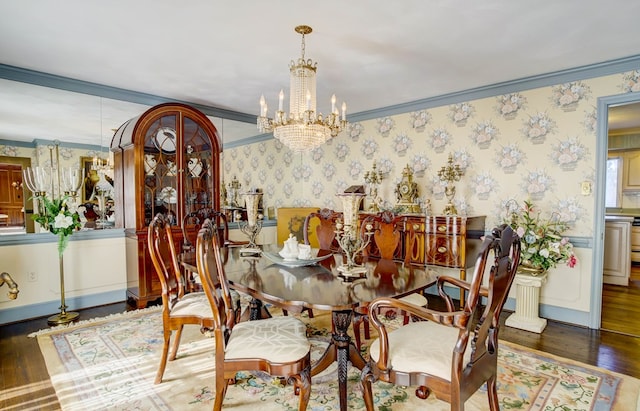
191, 224
386, 227
455, 352
276, 345
178, 308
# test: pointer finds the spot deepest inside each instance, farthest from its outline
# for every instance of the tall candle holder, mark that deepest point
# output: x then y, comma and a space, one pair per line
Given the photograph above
373, 179
450, 173
55, 191
253, 225
347, 236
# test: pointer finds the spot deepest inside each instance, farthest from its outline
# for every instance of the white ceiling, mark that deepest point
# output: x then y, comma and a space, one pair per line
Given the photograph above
370, 53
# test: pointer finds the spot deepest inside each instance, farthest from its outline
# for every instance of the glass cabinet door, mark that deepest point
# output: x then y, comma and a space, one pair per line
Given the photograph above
198, 169
161, 170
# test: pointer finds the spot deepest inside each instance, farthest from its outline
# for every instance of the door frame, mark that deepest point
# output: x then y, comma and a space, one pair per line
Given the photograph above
602, 137
24, 162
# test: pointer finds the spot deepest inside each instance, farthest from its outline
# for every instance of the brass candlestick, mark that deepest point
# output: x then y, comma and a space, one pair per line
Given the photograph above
373, 178
450, 173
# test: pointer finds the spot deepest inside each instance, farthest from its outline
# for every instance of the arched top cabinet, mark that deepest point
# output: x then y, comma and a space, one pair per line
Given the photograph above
167, 160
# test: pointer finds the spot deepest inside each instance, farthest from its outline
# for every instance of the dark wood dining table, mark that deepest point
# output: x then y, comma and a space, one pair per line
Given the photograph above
320, 287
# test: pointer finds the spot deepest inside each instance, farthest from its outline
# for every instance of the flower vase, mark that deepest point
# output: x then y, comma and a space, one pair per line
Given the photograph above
347, 233
531, 270
252, 226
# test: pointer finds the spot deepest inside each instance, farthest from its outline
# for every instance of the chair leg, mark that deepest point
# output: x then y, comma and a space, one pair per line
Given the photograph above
492, 393
221, 390
163, 360
366, 380
302, 387
176, 343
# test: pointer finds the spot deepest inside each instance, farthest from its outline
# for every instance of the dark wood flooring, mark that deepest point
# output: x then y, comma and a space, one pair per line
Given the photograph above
24, 376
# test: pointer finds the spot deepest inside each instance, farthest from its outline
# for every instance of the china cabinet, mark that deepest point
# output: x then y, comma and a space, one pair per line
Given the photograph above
167, 160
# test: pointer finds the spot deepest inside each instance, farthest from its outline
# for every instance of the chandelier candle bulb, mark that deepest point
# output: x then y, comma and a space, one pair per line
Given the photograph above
333, 103
280, 100
344, 111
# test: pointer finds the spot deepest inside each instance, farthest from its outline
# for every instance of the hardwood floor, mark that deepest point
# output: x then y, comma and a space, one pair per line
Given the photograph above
621, 305
24, 379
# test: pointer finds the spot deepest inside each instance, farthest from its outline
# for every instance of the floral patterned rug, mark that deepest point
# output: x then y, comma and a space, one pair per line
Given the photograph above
110, 364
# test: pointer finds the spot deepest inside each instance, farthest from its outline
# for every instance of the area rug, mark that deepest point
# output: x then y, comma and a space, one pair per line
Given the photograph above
111, 363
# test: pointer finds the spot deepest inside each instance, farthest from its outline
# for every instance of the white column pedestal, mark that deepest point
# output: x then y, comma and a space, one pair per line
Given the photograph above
527, 303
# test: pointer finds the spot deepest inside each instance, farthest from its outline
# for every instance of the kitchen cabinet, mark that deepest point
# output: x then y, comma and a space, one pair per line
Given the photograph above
635, 244
617, 247
631, 171
167, 160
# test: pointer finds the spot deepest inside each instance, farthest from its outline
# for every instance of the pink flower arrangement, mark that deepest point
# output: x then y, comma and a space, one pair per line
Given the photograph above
543, 246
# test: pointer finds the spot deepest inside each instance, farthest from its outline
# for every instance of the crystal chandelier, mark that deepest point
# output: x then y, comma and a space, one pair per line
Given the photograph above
303, 129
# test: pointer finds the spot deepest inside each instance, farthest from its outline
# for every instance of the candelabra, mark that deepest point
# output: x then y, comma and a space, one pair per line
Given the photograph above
351, 242
253, 225
373, 178
55, 191
450, 173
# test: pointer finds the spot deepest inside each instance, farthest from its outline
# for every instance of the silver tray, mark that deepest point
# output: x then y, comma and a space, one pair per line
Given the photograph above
294, 263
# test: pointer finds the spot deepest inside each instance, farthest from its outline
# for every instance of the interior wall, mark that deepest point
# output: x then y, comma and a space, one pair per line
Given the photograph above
538, 144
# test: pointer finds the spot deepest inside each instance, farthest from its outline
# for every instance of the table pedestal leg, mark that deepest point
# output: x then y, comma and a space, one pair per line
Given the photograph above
342, 350
257, 311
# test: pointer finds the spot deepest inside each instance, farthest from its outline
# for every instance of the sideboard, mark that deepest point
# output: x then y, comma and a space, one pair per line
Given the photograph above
450, 241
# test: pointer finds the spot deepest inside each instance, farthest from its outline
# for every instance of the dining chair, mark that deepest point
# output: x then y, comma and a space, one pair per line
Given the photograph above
192, 221
178, 308
191, 224
275, 345
325, 230
387, 230
455, 352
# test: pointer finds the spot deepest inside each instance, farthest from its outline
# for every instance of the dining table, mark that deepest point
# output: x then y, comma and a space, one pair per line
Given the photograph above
318, 284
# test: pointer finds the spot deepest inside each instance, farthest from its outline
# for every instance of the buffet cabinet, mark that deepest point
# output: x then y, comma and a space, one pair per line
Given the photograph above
167, 161
443, 241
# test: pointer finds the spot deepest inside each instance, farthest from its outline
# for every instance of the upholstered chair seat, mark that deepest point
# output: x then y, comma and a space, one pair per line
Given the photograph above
434, 358
276, 339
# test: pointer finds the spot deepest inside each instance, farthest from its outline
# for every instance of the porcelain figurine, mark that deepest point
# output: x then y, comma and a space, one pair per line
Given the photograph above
290, 249
304, 252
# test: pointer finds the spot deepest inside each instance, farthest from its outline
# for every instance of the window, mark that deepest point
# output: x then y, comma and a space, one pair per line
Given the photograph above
613, 182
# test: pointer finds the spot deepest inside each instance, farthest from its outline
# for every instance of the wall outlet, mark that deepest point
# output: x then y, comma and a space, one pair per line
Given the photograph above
585, 188
32, 277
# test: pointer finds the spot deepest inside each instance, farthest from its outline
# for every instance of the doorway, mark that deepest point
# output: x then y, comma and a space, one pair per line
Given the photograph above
14, 196
613, 306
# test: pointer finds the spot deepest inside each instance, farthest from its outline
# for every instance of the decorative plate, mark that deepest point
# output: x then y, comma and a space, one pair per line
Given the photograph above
165, 140
294, 263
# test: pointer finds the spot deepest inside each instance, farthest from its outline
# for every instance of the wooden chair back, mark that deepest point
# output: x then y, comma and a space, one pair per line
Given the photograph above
473, 330
192, 222
325, 231
164, 257
214, 282
387, 230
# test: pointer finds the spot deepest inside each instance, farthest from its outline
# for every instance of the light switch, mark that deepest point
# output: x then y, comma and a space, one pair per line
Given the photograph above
585, 187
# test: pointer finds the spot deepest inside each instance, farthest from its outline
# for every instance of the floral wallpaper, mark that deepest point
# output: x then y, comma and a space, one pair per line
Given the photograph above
537, 144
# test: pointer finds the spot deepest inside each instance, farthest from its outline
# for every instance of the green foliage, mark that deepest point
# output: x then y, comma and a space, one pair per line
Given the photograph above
56, 217
543, 245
